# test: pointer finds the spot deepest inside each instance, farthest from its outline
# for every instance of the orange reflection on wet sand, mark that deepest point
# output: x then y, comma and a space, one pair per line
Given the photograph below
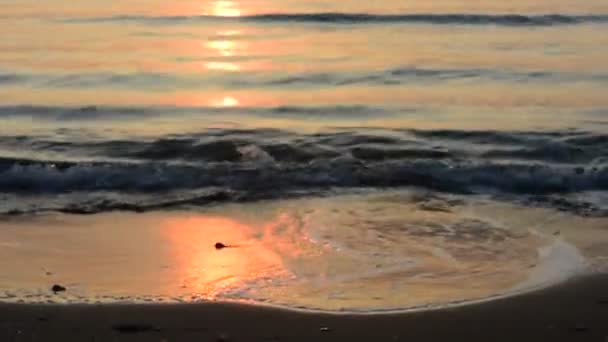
208, 272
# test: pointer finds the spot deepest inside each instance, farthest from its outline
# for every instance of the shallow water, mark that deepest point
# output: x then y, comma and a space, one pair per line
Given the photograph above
159, 106
357, 253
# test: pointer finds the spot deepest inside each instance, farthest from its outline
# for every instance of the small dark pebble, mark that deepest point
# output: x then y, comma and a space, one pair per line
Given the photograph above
434, 207
134, 328
220, 245
580, 328
58, 288
196, 329
222, 338
43, 319
49, 273
579, 170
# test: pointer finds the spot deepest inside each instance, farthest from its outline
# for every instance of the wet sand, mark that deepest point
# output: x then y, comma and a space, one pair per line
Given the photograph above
328, 254
573, 311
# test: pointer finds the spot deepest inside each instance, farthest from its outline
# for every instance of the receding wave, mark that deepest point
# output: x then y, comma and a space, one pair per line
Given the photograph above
365, 18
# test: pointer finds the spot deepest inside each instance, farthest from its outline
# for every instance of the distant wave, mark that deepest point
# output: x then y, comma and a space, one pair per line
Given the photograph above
6, 78
388, 77
60, 113
77, 113
365, 18
412, 74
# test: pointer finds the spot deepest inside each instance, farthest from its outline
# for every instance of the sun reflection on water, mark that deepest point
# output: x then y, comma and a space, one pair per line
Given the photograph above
222, 66
224, 8
208, 272
223, 47
226, 101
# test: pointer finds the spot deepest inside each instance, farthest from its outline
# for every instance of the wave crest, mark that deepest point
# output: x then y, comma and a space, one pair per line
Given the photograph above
270, 163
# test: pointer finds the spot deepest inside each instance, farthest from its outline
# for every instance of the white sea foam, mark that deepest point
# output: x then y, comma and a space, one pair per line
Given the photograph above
557, 262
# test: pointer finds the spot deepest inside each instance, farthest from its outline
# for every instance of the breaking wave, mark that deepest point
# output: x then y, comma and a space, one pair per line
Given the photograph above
236, 165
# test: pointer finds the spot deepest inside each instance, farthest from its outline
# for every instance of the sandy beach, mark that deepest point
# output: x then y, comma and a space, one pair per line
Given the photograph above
574, 311
158, 277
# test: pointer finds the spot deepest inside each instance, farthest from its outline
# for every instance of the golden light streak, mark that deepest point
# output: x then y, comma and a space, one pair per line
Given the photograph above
224, 47
225, 8
226, 101
209, 272
223, 66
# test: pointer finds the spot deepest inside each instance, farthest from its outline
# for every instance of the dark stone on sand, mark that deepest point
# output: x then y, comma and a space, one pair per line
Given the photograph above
580, 328
222, 338
134, 328
220, 245
436, 207
58, 288
579, 170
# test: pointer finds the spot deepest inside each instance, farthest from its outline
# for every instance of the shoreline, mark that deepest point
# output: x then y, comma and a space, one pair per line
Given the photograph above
575, 310
317, 311
177, 263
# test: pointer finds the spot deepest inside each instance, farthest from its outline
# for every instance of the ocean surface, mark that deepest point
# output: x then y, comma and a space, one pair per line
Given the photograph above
157, 106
